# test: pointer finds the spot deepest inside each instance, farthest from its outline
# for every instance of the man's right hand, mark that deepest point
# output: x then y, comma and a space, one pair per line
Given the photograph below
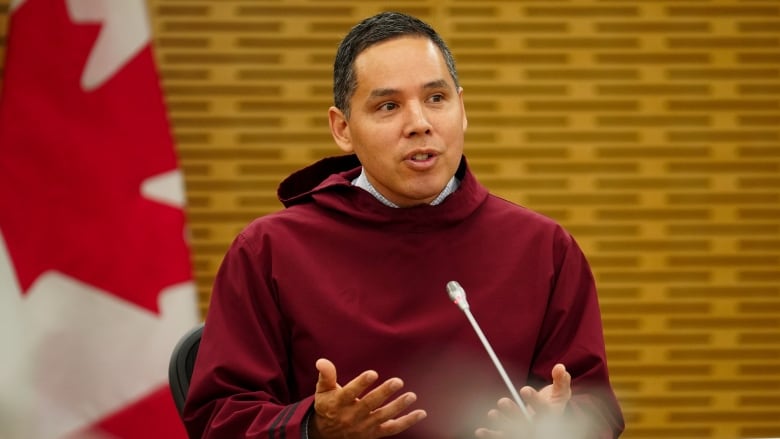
355, 412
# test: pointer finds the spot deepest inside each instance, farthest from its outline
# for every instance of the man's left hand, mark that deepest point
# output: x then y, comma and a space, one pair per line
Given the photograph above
551, 400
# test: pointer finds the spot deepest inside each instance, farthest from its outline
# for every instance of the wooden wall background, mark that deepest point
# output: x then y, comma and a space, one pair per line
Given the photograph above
649, 128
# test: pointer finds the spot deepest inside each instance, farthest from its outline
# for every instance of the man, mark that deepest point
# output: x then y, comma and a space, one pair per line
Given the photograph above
323, 312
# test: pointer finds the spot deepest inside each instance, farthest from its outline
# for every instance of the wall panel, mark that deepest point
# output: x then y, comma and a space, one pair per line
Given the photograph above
648, 128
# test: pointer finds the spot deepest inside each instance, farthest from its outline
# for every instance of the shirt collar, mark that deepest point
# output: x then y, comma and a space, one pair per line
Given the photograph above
362, 182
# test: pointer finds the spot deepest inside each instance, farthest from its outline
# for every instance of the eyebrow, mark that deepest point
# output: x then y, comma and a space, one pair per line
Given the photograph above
382, 92
439, 83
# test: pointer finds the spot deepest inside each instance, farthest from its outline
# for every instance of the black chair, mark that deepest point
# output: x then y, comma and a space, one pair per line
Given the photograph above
181, 365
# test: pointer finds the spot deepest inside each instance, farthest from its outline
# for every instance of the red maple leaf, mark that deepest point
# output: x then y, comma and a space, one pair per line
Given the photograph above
72, 163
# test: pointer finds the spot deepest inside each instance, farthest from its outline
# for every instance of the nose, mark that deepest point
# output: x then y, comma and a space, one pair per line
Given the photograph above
417, 122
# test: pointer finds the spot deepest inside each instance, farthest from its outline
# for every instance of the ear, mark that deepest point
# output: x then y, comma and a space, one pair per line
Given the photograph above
339, 128
463, 109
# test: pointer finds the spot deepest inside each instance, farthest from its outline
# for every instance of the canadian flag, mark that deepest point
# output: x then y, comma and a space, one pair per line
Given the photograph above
95, 275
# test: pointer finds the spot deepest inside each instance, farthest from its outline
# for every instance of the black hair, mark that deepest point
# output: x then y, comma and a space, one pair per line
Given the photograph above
381, 27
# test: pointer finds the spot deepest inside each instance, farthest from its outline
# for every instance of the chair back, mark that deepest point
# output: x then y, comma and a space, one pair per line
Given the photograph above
181, 365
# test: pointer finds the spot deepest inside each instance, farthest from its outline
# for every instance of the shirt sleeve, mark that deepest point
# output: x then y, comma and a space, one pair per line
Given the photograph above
239, 387
572, 334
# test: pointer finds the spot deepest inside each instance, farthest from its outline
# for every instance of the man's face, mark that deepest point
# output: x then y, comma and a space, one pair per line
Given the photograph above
407, 120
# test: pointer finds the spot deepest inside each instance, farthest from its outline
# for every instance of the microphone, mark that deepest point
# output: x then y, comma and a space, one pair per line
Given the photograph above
458, 296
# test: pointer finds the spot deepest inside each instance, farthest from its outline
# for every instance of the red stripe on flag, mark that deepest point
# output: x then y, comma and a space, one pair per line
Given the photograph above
153, 417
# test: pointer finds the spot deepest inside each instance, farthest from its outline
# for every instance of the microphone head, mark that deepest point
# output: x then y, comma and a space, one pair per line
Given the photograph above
457, 294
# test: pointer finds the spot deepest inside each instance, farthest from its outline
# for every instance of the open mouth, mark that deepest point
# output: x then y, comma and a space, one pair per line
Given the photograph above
420, 157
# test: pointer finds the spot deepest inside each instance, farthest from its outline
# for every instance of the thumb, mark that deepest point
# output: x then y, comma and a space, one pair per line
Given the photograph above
561, 381
327, 378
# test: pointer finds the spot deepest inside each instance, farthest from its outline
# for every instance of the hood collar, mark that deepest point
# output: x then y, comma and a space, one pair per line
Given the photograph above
328, 184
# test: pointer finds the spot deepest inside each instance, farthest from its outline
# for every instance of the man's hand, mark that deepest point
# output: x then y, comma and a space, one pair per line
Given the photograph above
551, 399
549, 402
354, 411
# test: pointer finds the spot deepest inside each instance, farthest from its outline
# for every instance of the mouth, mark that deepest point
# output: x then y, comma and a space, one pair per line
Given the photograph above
422, 160
420, 157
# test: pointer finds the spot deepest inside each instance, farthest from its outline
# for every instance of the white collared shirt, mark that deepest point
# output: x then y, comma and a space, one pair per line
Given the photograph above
362, 182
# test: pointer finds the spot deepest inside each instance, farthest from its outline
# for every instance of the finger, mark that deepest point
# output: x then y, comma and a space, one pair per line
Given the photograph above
377, 397
495, 415
508, 417
509, 407
394, 407
532, 399
397, 425
561, 381
327, 376
485, 433
529, 395
353, 389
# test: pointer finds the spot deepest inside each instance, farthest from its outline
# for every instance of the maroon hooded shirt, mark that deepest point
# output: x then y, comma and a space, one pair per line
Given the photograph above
337, 274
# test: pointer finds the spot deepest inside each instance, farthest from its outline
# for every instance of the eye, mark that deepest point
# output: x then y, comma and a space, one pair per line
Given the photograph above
388, 106
436, 98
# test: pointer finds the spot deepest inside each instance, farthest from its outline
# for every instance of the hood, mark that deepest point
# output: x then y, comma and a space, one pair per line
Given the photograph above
331, 171
328, 184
